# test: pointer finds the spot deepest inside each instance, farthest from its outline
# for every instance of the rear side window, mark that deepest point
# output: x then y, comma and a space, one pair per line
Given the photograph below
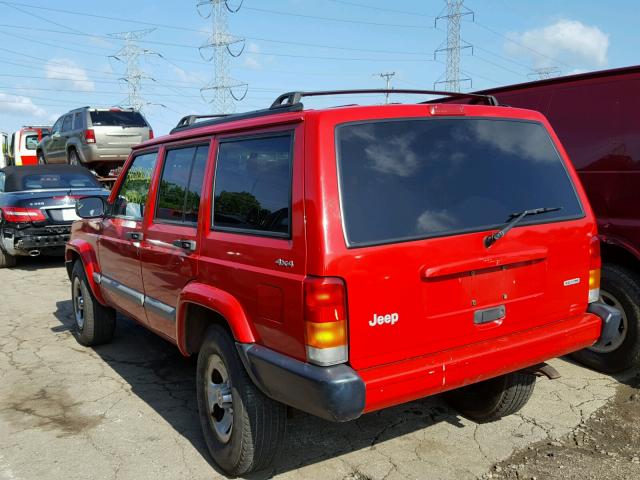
253, 185
66, 124
181, 184
419, 178
77, 121
134, 190
114, 118
31, 141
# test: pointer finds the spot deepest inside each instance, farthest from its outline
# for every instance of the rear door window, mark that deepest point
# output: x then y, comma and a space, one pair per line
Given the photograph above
181, 184
134, 190
112, 118
253, 185
66, 123
418, 178
31, 141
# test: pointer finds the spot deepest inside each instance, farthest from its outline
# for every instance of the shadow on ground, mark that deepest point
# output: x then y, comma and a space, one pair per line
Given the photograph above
31, 264
165, 380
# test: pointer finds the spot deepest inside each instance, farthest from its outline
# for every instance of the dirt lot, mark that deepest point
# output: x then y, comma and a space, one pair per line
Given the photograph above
127, 411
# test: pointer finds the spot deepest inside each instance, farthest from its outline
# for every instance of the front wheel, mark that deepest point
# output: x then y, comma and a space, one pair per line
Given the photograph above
95, 323
493, 399
243, 428
74, 158
620, 289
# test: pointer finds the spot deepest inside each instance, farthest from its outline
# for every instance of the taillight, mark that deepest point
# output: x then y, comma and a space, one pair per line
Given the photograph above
594, 269
325, 315
90, 136
22, 215
150, 134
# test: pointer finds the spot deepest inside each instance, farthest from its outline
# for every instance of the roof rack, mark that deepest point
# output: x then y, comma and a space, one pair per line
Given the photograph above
291, 102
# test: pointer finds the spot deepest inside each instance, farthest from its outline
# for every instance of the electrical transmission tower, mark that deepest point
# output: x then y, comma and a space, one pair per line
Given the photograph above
219, 48
387, 76
544, 73
454, 45
130, 55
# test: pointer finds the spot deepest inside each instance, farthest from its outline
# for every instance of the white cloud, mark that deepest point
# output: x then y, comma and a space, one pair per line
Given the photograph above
434, 221
68, 70
570, 41
18, 105
100, 42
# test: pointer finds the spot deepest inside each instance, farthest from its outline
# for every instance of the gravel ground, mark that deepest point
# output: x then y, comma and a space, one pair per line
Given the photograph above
127, 411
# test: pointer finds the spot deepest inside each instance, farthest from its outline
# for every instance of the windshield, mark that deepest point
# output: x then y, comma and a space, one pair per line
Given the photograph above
59, 180
117, 118
418, 178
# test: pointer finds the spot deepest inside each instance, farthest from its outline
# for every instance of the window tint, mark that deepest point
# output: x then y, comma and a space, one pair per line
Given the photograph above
410, 179
117, 118
253, 184
59, 180
77, 121
66, 123
31, 142
133, 193
181, 184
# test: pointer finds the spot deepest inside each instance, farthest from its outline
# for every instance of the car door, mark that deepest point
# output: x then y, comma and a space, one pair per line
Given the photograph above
170, 249
121, 236
52, 143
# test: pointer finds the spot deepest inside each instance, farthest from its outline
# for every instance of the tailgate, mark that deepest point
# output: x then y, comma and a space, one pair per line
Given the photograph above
418, 197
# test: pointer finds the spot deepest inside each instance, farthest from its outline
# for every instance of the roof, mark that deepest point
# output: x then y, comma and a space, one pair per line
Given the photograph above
635, 69
15, 174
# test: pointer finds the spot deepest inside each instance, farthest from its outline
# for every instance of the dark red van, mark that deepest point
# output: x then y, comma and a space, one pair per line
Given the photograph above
345, 260
596, 118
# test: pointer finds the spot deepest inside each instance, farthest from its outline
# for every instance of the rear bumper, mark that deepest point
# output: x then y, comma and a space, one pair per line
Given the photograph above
334, 393
400, 382
94, 153
25, 240
611, 319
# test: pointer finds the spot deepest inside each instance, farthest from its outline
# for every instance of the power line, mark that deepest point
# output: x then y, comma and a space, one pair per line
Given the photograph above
387, 76
381, 9
455, 11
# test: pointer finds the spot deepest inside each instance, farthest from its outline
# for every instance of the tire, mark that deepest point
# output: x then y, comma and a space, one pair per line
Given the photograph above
257, 425
6, 260
493, 399
41, 159
620, 288
95, 323
74, 158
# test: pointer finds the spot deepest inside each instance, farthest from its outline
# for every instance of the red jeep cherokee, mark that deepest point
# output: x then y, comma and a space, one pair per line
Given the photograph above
344, 260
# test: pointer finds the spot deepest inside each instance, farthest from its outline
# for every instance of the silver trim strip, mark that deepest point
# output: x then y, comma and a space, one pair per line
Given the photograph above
117, 287
162, 309
97, 277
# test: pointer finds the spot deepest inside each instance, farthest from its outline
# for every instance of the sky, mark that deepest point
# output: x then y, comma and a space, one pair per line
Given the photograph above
56, 56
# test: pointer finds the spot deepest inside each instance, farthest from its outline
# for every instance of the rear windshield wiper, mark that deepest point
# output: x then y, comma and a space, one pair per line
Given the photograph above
515, 219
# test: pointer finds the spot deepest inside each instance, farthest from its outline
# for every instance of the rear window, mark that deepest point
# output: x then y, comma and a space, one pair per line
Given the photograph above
59, 180
31, 142
114, 118
410, 179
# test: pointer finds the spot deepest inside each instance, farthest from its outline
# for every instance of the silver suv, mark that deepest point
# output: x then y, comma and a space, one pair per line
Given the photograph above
97, 138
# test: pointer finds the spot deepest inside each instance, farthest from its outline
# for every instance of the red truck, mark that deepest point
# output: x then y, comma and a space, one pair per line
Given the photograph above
595, 116
344, 260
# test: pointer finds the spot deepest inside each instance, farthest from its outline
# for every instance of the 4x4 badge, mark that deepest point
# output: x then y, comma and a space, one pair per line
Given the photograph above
284, 263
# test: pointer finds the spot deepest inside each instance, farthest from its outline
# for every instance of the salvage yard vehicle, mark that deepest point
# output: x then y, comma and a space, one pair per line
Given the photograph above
4, 150
97, 138
23, 143
594, 114
345, 260
37, 206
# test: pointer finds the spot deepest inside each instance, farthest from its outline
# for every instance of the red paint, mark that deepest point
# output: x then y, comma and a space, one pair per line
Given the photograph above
237, 276
83, 245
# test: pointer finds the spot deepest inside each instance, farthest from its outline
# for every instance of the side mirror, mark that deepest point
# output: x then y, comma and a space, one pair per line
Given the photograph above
90, 207
55, 135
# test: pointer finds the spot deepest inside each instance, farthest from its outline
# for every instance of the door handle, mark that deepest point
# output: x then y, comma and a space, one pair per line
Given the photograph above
185, 244
136, 236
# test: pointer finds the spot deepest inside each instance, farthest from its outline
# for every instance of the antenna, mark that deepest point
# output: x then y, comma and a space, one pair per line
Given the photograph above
130, 55
455, 11
388, 76
219, 47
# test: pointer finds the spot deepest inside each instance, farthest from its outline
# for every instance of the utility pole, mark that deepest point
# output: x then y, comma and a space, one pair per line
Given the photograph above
544, 73
387, 76
218, 48
130, 55
454, 45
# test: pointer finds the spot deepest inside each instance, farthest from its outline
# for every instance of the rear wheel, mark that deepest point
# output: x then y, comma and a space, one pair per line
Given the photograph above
620, 289
6, 260
243, 428
495, 398
74, 158
95, 323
